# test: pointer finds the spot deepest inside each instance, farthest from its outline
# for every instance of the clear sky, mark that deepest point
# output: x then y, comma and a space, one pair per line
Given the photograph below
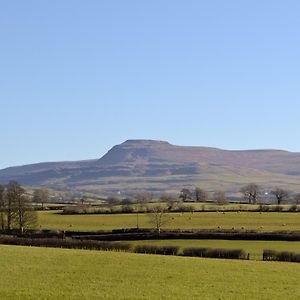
77, 77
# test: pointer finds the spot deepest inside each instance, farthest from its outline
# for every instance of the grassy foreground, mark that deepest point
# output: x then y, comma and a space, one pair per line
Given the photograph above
44, 273
266, 221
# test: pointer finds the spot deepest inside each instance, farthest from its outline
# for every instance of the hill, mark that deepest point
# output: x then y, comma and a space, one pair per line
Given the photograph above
160, 166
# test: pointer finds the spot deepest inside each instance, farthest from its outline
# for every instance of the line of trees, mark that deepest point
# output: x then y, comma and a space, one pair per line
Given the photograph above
200, 195
16, 211
197, 194
252, 193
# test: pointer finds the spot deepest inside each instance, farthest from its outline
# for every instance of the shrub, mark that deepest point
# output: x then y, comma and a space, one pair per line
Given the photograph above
215, 253
67, 243
263, 208
127, 209
293, 208
126, 201
269, 254
184, 208
278, 208
194, 251
280, 256
78, 209
150, 249
114, 210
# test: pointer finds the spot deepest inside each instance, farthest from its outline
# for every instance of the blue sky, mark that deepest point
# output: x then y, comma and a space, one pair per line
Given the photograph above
77, 77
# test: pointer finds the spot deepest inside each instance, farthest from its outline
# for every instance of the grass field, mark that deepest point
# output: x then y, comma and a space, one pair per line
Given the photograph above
255, 248
45, 273
208, 220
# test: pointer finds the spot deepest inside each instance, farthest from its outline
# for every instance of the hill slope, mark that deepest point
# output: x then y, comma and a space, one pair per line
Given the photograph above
159, 166
58, 274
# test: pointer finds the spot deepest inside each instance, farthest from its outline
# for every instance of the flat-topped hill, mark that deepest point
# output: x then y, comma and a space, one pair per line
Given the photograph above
161, 166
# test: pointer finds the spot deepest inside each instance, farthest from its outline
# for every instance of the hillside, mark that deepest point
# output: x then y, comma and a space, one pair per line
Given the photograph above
82, 274
160, 166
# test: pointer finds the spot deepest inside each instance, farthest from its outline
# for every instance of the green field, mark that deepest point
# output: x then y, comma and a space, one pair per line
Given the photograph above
255, 248
265, 221
45, 273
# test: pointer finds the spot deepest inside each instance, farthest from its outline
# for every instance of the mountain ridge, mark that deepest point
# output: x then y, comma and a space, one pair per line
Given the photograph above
147, 160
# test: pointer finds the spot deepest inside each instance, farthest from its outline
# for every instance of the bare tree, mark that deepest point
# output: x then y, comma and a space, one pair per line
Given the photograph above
220, 197
41, 196
297, 198
13, 192
26, 216
2, 207
280, 194
185, 194
251, 193
169, 199
141, 199
18, 209
200, 194
159, 217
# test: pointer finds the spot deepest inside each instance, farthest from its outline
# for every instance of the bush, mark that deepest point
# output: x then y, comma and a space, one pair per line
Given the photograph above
272, 255
193, 251
127, 209
269, 254
227, 253
163, 250
215, 253
126, 201
293, 208
67, 243
263, 208
78, 209
278, 208
184, 208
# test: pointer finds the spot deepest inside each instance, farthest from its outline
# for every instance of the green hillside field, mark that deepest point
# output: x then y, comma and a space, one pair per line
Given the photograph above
45, 273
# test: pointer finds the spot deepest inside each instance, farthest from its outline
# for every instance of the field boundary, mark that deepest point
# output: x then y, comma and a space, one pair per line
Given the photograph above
150, 234
165, 235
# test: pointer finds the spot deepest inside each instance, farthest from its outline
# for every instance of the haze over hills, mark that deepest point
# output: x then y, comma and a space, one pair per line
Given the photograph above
158, 166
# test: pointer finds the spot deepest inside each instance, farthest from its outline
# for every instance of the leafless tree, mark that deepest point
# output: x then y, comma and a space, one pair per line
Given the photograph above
13, 192
200, 194
159, 217
280, 194
185, 194
83, 199
18, 209
170, 199
2, 207
251, 193
143, 198
297, 198
220, 197
26, 216
41, 196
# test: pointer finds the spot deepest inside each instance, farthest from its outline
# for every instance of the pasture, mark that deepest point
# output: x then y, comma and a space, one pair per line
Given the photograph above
45, 273
266, 221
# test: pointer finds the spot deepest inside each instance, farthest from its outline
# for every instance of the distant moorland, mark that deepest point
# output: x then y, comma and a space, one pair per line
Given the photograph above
157, 166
